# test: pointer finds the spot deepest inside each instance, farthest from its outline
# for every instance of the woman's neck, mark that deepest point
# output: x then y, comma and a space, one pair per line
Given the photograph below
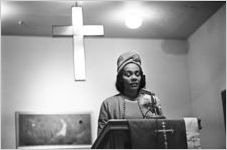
131, 94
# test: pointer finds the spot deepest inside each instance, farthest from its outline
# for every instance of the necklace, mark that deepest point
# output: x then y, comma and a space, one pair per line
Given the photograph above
123, 115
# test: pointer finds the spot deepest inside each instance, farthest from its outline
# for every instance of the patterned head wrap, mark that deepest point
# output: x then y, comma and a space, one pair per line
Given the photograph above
126, 58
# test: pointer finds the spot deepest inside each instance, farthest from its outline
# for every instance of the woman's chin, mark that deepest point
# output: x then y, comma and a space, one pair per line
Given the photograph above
134, 89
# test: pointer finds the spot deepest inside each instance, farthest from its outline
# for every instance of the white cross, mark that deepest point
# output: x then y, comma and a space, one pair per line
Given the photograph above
78, 31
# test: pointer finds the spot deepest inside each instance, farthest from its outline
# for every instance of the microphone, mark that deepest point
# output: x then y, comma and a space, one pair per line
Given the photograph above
149, 101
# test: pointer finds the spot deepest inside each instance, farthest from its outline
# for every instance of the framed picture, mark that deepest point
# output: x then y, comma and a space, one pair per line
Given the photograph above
40, 130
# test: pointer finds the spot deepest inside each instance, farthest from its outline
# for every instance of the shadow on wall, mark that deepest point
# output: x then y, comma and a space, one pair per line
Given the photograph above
223, 96
175, 47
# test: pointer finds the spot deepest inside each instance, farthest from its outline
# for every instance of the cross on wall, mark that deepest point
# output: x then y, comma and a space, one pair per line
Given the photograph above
78, 31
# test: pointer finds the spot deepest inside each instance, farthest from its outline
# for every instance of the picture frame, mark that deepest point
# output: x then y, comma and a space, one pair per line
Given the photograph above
53, 130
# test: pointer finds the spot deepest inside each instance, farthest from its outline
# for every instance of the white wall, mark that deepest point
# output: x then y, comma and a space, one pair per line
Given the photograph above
207, 68
0, 88
37, 75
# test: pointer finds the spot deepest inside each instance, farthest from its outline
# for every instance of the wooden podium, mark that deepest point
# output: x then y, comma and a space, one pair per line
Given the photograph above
142, 134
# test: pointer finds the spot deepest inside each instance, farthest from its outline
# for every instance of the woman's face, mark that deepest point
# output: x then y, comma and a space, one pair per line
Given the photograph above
131, 77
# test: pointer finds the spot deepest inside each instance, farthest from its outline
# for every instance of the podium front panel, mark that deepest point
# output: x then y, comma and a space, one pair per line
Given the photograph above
143, 134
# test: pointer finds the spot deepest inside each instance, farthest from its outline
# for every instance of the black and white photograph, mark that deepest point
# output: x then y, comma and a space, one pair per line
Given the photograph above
97, 74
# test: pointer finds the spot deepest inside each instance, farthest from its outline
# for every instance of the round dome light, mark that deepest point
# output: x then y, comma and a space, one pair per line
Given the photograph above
133, 21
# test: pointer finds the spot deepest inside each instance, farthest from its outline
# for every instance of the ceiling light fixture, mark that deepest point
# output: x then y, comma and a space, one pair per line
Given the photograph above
134, 13
133, 21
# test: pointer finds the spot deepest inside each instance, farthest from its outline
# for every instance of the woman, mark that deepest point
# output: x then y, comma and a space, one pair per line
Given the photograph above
133, 102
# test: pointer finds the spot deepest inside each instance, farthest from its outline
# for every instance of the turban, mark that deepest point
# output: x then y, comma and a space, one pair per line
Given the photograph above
126, 58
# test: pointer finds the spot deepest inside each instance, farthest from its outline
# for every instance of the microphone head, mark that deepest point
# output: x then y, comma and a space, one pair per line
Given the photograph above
149, 97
